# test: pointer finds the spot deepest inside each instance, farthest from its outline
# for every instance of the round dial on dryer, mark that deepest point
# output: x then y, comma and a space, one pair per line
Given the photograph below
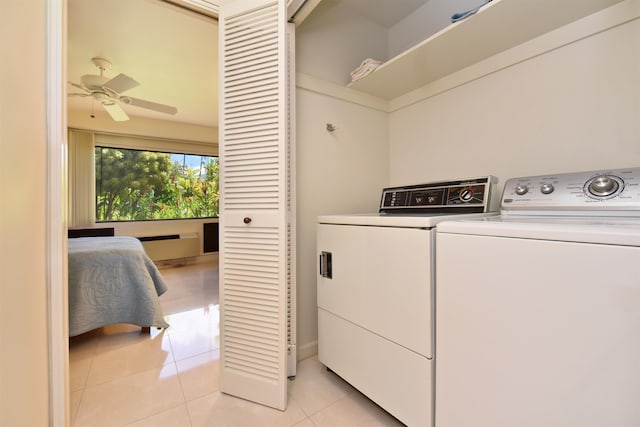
521, 189
603, 185
466, 194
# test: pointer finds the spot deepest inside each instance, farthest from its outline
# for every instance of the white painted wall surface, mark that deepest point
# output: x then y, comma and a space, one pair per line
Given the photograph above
333, 41
425, 21
142, 126
574, 108
24, 388
338, 172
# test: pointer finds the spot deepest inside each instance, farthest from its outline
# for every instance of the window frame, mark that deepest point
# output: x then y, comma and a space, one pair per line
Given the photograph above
171, 154
81, 161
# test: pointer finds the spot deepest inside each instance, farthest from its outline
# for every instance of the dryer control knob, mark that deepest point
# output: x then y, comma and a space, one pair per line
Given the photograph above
546, 188
521, 189
466, 195
603, 186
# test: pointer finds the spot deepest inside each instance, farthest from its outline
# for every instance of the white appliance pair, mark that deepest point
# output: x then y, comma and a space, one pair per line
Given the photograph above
536, 312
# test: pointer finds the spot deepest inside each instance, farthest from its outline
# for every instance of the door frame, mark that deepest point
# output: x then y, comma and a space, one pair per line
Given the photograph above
56, 205
55, 229
57, 196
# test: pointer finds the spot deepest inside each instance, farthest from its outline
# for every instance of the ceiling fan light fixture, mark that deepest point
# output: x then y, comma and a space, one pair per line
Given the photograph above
103, 98
93, 80
108, 91
101, 63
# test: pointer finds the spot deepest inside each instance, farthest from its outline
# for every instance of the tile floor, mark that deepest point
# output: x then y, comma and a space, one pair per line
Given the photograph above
121, 377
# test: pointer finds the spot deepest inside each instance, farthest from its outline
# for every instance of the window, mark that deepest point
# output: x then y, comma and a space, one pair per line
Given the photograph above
138, 185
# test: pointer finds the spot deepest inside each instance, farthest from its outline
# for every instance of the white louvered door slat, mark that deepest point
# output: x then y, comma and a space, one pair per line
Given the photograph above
255, 203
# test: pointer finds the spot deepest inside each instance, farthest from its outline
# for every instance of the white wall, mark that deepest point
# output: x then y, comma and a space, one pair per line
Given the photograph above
333, 41
342, 171
425, 21
574, 108
24, 387
337, 172
142, 126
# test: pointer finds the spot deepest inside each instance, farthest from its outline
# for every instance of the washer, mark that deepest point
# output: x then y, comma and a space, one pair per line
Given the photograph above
538, 309
375, 292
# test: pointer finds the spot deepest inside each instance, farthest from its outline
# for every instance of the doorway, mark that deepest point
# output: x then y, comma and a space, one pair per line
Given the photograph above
57, 47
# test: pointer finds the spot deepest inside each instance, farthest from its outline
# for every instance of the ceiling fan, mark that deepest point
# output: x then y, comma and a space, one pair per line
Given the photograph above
108, 92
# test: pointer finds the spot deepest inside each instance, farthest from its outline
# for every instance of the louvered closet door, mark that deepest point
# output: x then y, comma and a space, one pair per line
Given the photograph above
255, 217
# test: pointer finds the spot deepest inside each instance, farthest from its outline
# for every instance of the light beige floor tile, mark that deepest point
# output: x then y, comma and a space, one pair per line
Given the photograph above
82, 350
354, 410
78, 371
190, 343
205, 318
130, 399
114, 336
305, 423
176, 417
74, 404
135, 356
219, 409
315, 388
200, 375
189, 286
84, 345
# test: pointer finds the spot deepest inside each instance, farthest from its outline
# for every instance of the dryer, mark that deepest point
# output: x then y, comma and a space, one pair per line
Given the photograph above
375, 291
538, 309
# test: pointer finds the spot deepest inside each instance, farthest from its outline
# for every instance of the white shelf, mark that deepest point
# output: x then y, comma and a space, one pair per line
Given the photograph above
498, 26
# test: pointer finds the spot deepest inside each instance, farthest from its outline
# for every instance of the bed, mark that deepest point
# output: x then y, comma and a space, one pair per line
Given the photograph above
112, 280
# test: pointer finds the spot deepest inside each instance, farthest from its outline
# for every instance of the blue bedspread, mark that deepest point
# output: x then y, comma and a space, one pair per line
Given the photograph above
112, 280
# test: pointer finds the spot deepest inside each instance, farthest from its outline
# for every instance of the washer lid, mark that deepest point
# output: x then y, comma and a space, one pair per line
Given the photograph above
598, 230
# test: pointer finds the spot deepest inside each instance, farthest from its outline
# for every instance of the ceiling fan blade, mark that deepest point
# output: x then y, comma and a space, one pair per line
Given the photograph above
80, 87
78, 94
116, 112
136, 102
121, 83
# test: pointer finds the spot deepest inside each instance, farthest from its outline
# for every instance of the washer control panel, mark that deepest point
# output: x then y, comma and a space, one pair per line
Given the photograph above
605, 192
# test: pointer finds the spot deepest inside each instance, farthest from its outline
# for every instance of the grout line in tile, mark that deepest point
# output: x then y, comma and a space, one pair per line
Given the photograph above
74, 417
184, 396
158, 413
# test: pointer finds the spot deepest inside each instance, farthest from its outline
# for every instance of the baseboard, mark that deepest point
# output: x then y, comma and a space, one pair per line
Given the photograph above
202, 259
207, 258
307, 350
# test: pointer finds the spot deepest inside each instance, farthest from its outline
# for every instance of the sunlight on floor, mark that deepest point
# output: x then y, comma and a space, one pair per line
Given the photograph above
120, 376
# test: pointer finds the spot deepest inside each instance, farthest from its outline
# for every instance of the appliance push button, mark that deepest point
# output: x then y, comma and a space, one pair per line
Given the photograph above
547, 188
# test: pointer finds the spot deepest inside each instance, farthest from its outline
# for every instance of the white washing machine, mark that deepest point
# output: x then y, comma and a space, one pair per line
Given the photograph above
538, 309
375, 292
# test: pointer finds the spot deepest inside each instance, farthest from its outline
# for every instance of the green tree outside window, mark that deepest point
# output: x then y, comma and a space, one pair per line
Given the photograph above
135, 185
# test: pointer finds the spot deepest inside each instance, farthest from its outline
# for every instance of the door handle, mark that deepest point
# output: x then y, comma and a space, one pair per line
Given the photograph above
326, 267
